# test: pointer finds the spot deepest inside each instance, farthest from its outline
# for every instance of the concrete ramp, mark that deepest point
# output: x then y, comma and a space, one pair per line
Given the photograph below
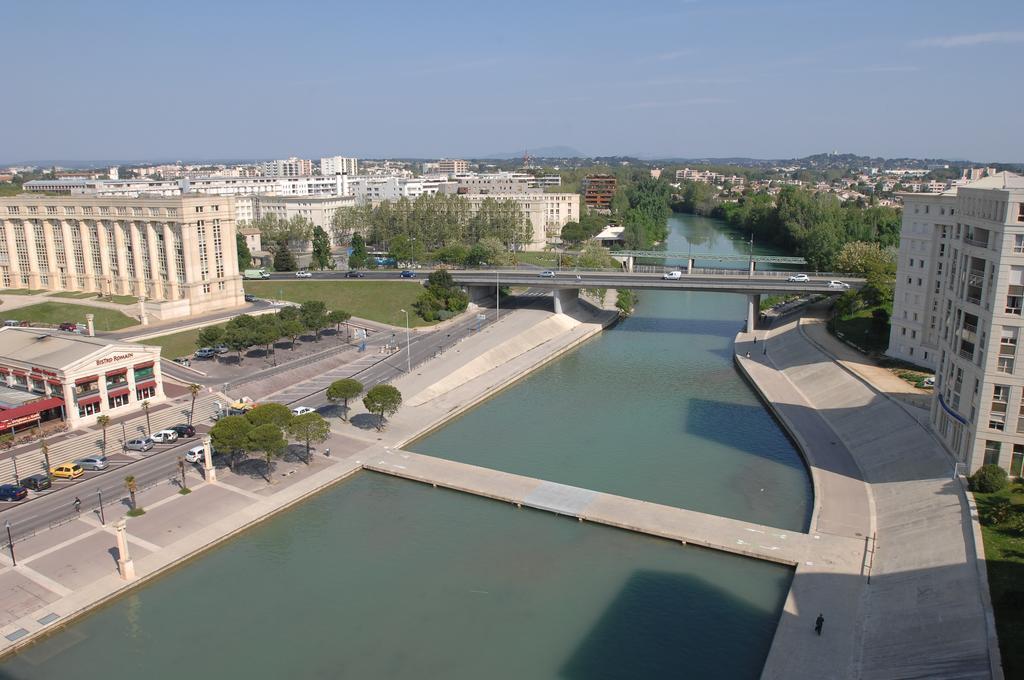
532, 337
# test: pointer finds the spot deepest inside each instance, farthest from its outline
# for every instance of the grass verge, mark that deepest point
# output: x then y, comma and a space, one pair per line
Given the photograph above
862, 330
176, 345
59, 312
21, 291
375, 300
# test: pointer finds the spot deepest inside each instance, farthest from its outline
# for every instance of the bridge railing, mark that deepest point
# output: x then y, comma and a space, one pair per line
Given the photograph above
660, 269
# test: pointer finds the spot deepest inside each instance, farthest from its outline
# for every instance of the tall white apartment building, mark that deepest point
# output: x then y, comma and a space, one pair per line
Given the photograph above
973, 284
289, 167
178, 253
339, 165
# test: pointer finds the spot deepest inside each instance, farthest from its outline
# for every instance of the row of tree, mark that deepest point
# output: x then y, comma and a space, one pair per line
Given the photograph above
245, 331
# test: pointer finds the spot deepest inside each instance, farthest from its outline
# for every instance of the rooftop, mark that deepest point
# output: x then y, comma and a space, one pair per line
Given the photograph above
48, 348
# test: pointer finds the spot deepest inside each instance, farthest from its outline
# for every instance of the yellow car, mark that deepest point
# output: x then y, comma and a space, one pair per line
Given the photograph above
67, 471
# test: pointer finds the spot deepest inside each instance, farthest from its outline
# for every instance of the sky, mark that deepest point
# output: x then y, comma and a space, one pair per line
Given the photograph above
226, 79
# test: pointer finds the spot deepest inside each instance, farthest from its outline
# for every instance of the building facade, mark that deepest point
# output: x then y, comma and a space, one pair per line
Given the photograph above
598, 191
547, 213
317, 209
973, 279
452, 166
339, 165
289, 167
51, 375
177, 253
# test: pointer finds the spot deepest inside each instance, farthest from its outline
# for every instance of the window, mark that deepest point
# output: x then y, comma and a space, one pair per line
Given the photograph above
51, 210
88, 409
992, 452
145, 393
13, 210
1017, 460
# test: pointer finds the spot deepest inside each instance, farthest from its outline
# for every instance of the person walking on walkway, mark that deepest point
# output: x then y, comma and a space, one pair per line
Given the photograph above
818, 623
78, 505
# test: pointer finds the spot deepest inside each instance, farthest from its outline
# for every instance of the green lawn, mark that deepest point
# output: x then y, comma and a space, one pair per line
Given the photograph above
1004, 555
59, 312
860, 329
374, 300
122, 299
72, 294
176, 344
541, 259
21, 291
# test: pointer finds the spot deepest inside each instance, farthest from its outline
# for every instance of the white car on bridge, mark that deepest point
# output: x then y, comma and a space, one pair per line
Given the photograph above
838, 284
799, 278
671, 276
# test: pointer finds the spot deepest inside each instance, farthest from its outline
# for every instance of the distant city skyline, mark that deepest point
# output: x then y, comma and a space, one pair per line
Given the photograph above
203, 81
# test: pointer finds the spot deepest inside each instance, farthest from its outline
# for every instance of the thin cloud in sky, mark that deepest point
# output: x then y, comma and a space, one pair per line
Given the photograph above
971, 39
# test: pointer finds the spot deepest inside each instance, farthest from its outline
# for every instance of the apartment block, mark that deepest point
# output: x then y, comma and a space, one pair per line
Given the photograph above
289, 167
547, 213
339, 165
178, 253
598, 191
452, 166
972, 281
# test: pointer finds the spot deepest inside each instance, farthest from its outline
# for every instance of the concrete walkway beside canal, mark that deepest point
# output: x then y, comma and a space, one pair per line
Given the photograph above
923, 614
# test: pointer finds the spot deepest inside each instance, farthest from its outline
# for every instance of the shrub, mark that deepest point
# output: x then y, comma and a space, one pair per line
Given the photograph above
997, 512
988, 479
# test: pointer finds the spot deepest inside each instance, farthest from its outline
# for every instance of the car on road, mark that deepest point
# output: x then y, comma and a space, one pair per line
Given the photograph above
799, 278
93, 462
195, 455
68, 326
164, 436
407, 274
139, 444
205, 353
249, 297
67, 471
671, 276
184, 361
838, 284
303, 274
12, 492
547, 274
38, 482
302, 410
12, 322
354, 274
183, 430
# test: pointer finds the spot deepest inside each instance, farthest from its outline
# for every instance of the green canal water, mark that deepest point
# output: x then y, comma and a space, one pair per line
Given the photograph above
383, 578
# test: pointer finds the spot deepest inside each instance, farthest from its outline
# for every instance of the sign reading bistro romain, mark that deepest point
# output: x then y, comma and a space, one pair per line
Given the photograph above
116, 357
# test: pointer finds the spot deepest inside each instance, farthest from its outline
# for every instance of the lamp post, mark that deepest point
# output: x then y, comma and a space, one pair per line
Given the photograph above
99, 494
408, 347
750, 262
10, 543
497, 297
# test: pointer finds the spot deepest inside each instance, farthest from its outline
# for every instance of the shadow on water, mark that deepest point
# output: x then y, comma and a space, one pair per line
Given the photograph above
685, 326
666, 625
745, 433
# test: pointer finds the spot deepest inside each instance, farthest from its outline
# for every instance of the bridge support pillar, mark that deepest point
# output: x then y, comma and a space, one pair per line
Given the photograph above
689, 265
477, 294
752, 264
565, 299
629, 264
753, 310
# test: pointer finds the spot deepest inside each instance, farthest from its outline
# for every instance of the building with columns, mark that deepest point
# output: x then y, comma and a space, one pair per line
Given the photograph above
177, 253
52, 375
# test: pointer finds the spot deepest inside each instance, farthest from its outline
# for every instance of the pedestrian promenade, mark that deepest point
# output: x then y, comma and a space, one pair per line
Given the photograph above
923, 612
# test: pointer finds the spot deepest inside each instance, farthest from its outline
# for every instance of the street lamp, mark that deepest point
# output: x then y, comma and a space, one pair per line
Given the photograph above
408, 348
497, 297
750, 262
10, 543
99, 494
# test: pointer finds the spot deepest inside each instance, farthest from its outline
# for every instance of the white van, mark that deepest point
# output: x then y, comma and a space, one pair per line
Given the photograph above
671, 276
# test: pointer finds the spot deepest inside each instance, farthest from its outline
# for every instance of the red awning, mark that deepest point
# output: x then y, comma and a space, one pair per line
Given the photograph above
84, 401
4, 371
21, 373
147, 364
91, 378
35, 407
53, 381
144, 385
118, 393
119, 371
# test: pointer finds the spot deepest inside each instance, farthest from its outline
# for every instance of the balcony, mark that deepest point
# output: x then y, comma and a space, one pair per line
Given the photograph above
966, 354
976, 243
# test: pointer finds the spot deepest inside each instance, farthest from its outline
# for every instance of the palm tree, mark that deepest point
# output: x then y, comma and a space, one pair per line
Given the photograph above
145, 407
194, 389
103, 421
129, 483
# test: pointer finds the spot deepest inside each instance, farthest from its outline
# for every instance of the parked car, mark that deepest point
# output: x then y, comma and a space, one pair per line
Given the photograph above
184, 361
67, 471
303, 274
249, 297
221, 349
12, 492
12, 322
799, 278
38, 482
354, 274
195, 455
139, 444
205, 353
670, 276
838, 284
547, 274
183, 430
302, 410
93, 462
68, 326
164, 436
927, 382
407, 274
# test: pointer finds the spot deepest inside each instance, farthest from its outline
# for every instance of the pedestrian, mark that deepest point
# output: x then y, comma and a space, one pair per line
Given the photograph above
755, 339
748, 355
765, 349
78, 505
818, 623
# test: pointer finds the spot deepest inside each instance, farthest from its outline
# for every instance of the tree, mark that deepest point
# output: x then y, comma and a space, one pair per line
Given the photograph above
103, 421
266, 334
626, 301
229, 435
860, 257
46, 454
343, 390
384, 400
442, 297
244, 254
291, 329
358, 258
210, 336
269, 439
238, 339
988, 479
310, 428
145, 408
194, 389
284, 260
572, 233
132, 486
314, 315
278, 415
337, 317
321, 250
